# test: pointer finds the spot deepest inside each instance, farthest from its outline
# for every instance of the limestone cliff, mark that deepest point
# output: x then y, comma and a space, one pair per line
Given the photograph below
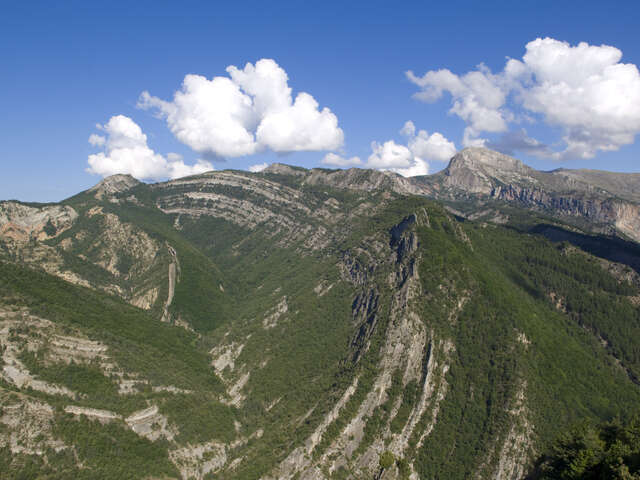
603, 202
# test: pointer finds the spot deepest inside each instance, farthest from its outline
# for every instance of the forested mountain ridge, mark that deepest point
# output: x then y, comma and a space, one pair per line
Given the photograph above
309, 324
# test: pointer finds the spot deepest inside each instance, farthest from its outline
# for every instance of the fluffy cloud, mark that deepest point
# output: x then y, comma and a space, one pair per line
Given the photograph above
411, 160
208, 116
97, 140
249, 111
518, 141
126, 151
396, 158
336, 160
417, 167
477, 97
389, 155
430, 147
584, 90
258, 167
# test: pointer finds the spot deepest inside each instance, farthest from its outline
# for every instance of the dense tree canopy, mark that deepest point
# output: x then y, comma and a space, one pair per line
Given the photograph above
587, 452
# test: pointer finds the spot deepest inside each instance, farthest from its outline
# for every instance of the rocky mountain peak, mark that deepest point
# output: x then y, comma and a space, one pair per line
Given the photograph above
479, 158
474, 170
114, 184
284, 169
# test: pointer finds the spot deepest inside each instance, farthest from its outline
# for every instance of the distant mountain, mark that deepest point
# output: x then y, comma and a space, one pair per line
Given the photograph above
599, 201
316, 324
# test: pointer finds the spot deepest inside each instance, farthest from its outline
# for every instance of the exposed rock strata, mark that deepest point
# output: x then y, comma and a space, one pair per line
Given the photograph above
113, 184
27, 426
21, 223
604, 202
407, 348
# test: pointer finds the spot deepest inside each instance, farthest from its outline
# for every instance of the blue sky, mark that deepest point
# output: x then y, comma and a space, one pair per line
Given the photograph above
66, 68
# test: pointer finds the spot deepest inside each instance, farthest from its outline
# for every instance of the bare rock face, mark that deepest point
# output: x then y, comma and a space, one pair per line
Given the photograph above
623, 185
27, 426
475, 169
627, 219
603, 213
363, 180
42, 236
604, 201
149, 423
113, 184
21, 223
282, 169
352, 179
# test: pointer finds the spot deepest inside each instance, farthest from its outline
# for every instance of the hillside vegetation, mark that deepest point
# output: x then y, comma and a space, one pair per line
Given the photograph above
305, 325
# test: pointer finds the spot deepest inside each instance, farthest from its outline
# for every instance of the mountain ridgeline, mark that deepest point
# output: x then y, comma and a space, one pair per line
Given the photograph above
316, 324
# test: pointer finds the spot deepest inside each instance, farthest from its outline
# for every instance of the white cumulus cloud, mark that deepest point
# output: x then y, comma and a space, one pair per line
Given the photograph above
249, 111
412, 159
408, 129
339, 161
417, 167
477, 97
125, 150
97, 140
584, 90
389, 155
396, 158
429, 147
258, 167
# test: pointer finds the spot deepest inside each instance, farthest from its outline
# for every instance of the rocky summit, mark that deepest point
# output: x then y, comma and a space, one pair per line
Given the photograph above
597, 201
316, 324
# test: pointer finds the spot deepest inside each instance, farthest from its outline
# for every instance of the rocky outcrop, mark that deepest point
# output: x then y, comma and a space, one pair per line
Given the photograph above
196, 461
102, 416
273, 315
517, 448
150, 423
409, 351
117, 240
70, 245
474, 170
362, 180
16, 339
224, 356
23, 333
174, 267
113, 184
601, 214
26, 426
282, 169
21, 223
627, 219
248, 201
352, 179
603, 202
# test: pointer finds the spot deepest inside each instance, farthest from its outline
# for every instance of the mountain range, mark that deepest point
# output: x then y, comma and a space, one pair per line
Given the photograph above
315, 324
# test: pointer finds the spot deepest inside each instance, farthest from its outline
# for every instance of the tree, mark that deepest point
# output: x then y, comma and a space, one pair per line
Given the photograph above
387, 460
